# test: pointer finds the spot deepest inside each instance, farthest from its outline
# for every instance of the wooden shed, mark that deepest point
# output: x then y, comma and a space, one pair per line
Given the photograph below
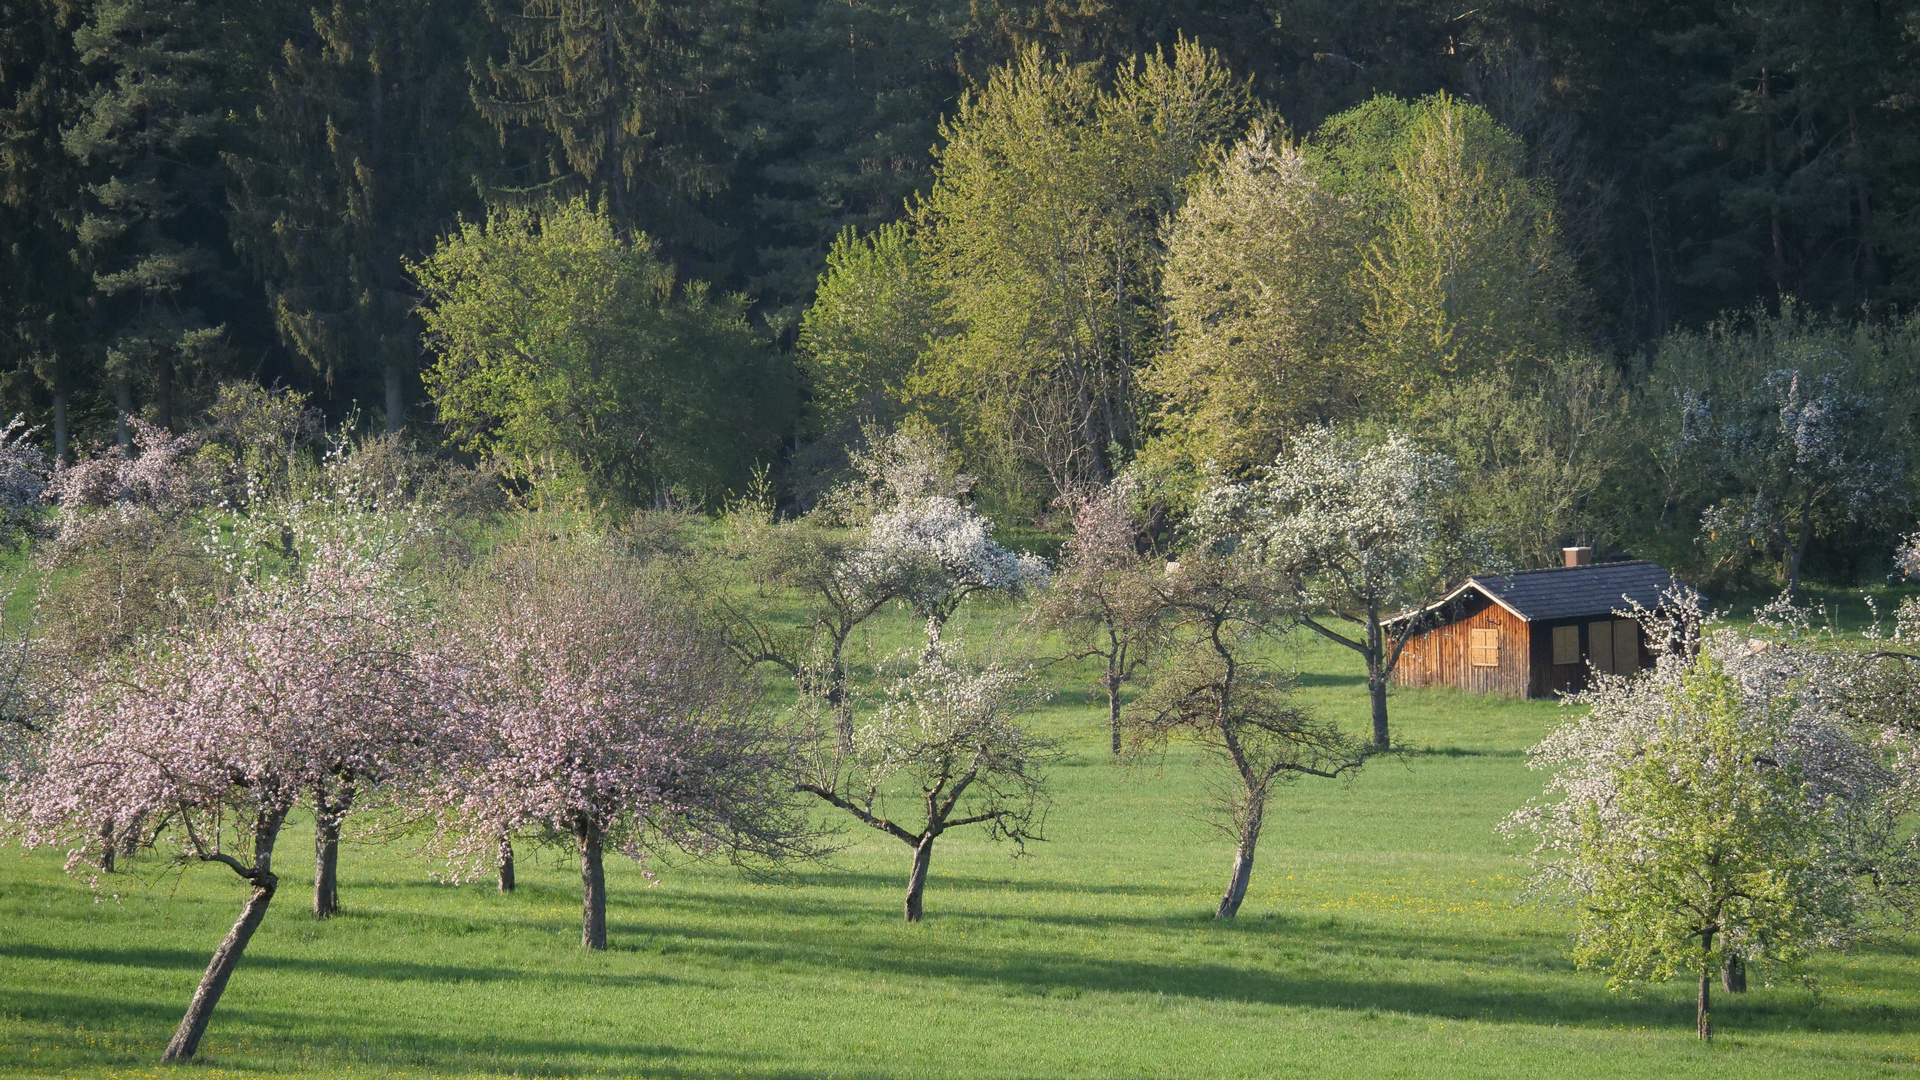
1536, 633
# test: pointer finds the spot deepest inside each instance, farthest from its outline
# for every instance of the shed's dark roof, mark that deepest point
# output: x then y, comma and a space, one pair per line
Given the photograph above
1566, 592
1562, 592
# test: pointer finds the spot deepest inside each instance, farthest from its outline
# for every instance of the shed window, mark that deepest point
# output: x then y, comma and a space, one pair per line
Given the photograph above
1566, 644
1484, 648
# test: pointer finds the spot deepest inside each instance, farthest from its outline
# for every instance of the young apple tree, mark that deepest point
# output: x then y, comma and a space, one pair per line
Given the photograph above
1102, 597
1215, 690
206, 740
947, 747
1354, 530
1713, 814
595, 715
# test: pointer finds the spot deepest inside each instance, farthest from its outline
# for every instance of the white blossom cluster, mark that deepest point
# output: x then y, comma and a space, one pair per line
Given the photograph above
1346, 516
23, 478
924, 544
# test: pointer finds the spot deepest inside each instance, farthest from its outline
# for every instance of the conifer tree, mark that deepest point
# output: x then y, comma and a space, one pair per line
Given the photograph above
40, 286
622, 98
151, 235
358, 151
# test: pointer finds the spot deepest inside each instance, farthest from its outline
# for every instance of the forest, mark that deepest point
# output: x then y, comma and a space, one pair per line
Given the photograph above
694, 463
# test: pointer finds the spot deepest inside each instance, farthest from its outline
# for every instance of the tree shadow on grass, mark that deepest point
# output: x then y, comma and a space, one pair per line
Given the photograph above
383, 970
1532, 988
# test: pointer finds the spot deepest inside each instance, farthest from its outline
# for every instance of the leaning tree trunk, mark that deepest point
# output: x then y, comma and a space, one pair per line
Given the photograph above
506, 864
1242, 868
186, 1039
917, 878
593, 889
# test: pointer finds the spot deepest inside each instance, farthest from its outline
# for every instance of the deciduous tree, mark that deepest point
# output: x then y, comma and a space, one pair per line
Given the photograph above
1353, 528
947, 742
598, 715
201, 745
1215, 690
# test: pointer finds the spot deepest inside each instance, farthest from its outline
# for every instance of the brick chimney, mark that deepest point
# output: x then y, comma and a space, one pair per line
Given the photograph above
1578, 556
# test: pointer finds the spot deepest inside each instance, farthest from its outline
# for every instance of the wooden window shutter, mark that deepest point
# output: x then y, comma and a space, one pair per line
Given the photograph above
1483, 649
1566, 645
1600, 645
1626, 647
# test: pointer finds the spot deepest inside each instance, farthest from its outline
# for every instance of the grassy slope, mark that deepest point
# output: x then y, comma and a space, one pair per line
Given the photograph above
1380, 939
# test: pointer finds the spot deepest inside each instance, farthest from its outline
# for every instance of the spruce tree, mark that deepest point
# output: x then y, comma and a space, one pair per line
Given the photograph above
146, 132
358, 152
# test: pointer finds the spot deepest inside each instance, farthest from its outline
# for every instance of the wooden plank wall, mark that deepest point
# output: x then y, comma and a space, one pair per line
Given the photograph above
1439, 657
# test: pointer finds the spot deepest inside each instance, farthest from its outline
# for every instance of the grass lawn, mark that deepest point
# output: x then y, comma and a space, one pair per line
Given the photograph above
1381, 938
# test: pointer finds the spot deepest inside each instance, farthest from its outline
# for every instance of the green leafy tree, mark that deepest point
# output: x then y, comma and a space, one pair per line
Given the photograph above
565, 349
1703, 827
862, 339
1463, 270
358, 149
1264, 308
1042, 233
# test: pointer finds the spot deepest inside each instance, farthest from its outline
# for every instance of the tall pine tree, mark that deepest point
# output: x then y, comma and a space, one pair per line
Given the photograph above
359, 152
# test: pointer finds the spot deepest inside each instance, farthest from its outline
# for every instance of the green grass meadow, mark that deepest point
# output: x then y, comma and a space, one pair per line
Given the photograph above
1382, 937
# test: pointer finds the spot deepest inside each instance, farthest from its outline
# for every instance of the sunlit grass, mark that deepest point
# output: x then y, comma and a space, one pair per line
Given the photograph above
1381, 938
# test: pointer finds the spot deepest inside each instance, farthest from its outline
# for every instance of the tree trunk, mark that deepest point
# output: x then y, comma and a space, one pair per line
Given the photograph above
326, 867
1703, 1025
593, 890
1800, 544
917, 878
506, 864
1113, 712
1733, 974
123, 406
1377, 690
109, 846
187, 1038
396, 404
1376, 654
327, 816
60, 427
1242, 869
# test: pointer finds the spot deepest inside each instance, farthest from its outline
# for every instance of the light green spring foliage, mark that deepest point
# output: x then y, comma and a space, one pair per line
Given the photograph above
1537, 453
1463, 268
1399, 250
1042, 236
566, 352
1709, 846
1260, 287
871, 319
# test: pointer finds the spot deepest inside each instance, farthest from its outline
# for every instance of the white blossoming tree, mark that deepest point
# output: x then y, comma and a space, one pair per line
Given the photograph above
945, 750
899, 531
1806, 455
1355, 531
1715, 812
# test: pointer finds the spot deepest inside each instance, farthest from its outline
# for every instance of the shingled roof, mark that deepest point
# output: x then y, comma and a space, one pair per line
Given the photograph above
1565, 592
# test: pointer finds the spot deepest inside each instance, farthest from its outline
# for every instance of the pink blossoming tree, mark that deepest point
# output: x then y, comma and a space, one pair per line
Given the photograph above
206, 740
596, 715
